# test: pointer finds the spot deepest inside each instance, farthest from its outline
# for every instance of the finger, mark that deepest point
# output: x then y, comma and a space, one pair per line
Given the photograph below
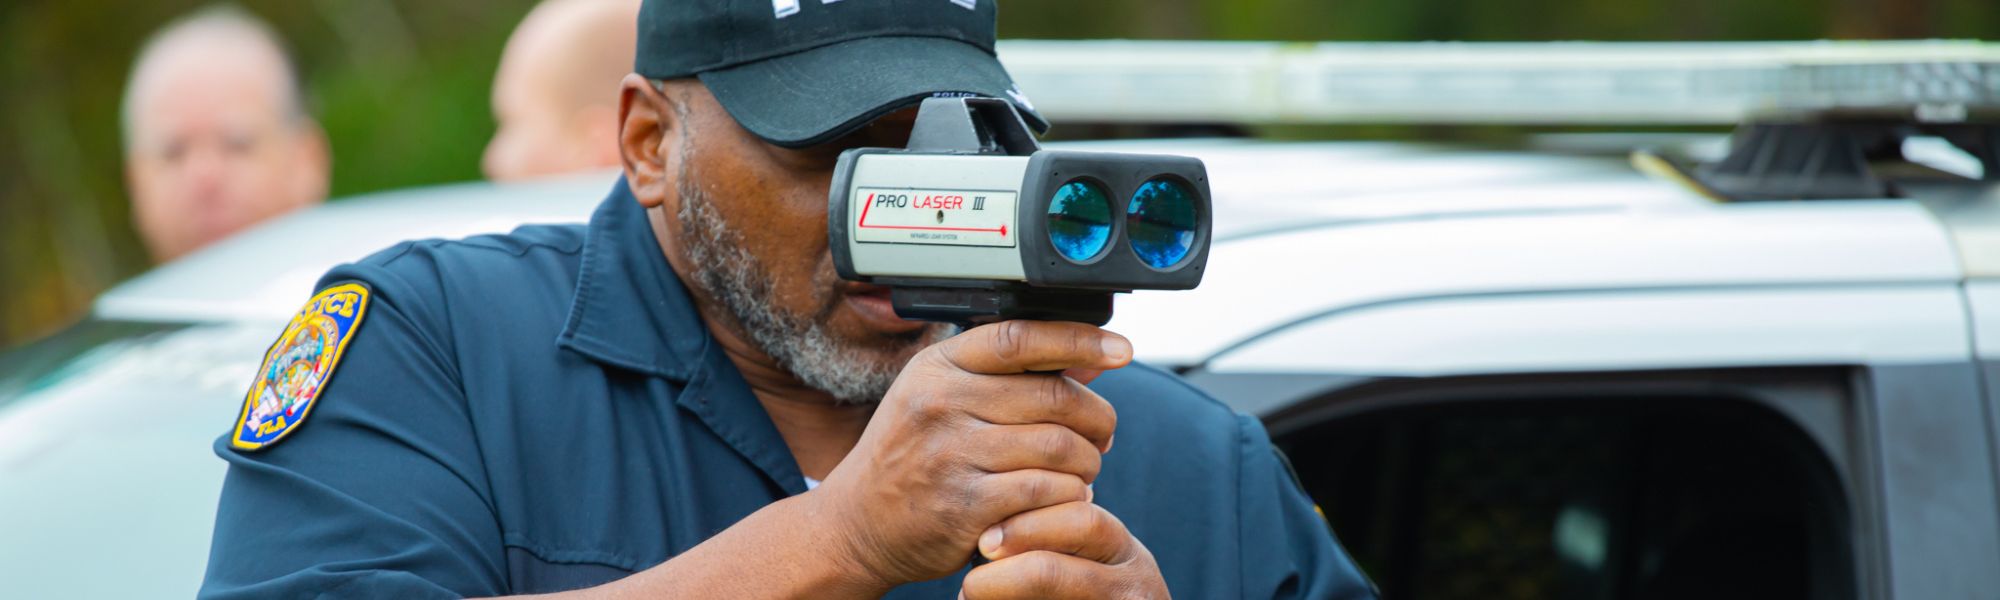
1010, 347
1079, 529
1002, 495
1039, 574
1027, 399
999, 448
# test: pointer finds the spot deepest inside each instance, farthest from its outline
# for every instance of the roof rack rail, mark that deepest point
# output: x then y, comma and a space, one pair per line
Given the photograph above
1812, 116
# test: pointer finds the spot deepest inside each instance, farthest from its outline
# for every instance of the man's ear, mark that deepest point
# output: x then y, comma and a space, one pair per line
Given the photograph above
644, 117
314, 173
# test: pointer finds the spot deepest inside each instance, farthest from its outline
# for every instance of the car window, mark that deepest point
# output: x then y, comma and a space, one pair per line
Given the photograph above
42, 362
107, 453
1581, 499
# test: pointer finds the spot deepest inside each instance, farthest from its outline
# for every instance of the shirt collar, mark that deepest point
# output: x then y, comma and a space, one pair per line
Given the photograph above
630, 309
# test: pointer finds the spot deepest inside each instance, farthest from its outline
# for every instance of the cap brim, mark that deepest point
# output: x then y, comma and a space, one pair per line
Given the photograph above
821, 94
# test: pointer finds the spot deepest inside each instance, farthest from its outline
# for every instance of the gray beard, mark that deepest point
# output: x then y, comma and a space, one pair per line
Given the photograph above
800, 345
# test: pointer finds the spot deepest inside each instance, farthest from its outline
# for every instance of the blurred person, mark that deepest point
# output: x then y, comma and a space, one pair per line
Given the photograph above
553, 95
216, 134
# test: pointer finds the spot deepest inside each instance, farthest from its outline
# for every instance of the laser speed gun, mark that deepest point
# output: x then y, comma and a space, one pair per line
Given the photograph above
974, 222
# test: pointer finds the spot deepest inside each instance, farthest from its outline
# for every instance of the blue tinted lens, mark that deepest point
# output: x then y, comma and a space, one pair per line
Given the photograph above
1080, 220
1160, 221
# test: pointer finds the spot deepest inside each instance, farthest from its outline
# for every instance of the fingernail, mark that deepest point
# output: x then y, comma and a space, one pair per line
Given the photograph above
1116, 348
989, 542
1089, 493
1108, 442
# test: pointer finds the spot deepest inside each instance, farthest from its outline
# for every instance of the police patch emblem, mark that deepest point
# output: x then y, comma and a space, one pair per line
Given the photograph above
298, 365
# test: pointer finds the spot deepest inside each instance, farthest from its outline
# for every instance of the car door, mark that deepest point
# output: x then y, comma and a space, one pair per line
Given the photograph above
1785, 441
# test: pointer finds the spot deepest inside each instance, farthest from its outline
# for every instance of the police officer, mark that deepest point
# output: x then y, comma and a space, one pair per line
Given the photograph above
681, 399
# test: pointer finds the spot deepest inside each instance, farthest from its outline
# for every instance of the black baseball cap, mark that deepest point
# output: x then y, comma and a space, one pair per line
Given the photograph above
803, 72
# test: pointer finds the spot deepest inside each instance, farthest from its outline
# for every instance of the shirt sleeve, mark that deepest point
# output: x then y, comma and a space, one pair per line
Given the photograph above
379, 493
1288, 549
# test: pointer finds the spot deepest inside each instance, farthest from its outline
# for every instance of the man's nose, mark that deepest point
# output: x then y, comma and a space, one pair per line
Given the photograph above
206, 171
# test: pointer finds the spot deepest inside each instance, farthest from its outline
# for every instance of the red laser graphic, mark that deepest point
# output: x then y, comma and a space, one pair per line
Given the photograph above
1002, 229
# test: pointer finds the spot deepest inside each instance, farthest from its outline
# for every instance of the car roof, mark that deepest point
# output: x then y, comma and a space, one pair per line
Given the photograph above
1301, 228
1370, 225
1263, 186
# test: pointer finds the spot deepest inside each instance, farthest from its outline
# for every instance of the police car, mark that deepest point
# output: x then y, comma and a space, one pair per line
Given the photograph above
1545, 371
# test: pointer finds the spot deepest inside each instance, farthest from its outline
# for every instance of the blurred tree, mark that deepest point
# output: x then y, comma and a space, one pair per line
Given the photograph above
401, 87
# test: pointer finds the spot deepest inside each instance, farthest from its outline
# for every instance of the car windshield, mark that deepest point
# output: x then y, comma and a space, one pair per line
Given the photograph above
105, 434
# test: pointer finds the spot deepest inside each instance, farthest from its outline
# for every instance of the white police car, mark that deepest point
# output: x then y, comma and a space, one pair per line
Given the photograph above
1523, 373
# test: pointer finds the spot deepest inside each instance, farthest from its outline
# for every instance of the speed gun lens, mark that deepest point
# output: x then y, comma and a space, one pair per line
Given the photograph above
1080, 220
1161, 222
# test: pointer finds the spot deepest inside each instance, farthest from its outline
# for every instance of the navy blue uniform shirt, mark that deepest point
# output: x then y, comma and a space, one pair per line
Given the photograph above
545, 410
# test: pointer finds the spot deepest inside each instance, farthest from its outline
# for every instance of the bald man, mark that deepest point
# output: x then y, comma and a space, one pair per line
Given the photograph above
552, 95
216, 134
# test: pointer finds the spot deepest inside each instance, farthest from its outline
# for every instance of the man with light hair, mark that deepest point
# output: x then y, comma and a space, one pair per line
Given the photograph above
552, 95
216, 134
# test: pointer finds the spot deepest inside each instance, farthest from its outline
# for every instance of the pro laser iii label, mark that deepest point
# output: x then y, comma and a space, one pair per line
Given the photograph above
940, 217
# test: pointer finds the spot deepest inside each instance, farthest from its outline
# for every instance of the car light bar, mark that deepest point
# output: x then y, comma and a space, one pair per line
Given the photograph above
1501, 83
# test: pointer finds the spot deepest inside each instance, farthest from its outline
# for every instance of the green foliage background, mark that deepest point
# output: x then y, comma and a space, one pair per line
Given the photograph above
401, 87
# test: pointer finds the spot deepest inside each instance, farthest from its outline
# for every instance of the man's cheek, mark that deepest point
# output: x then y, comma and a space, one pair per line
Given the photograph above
800, 289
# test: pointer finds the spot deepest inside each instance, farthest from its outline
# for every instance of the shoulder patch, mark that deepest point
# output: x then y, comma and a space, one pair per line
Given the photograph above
297, 367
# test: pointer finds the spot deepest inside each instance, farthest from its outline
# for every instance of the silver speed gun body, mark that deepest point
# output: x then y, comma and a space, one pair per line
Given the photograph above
974, 222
